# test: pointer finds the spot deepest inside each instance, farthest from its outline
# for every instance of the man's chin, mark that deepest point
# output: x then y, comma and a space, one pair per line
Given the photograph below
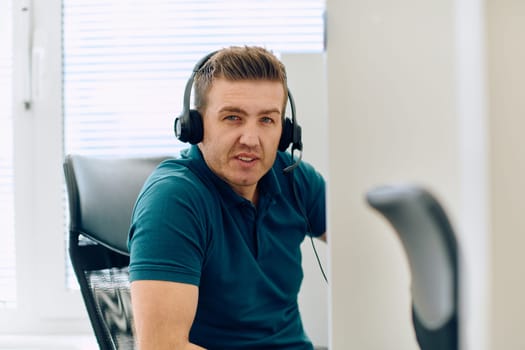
247, 182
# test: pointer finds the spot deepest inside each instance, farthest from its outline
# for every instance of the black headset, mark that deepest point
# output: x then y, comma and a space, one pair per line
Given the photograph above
188, 125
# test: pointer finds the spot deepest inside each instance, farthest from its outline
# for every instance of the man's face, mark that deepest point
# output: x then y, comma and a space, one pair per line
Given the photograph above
242, 127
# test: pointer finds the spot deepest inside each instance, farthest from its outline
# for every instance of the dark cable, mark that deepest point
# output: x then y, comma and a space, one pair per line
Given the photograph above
303, 212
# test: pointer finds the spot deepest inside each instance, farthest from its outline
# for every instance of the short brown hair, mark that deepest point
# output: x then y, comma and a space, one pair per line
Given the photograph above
238, 63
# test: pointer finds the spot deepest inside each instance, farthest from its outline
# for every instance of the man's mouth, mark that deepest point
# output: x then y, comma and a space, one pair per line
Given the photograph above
246, 159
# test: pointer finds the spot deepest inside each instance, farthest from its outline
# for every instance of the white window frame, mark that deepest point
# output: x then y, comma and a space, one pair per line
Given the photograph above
38, 155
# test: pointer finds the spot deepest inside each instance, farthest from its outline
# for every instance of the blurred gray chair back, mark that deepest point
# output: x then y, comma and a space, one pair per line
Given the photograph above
431, 248
102, 193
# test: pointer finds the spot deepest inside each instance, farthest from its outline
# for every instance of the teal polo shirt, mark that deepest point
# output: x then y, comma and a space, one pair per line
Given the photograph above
189, 226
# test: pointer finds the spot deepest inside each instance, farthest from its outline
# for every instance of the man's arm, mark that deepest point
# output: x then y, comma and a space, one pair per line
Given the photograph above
322, 237
163, 314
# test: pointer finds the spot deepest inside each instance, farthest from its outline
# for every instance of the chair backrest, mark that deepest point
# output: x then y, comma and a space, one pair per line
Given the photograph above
432, 251
102, 193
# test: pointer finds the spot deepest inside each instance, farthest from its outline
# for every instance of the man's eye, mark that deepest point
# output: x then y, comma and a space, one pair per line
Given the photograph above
267, 120
231, 117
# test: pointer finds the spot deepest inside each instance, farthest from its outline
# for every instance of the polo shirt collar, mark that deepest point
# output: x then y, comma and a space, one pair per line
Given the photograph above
268, 185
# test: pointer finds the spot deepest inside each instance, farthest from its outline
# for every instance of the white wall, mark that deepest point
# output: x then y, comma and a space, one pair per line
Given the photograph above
307, 82
506, 58
404, 106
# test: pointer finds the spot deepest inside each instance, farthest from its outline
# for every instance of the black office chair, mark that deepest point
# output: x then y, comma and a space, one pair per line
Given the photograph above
101, 194
431, 247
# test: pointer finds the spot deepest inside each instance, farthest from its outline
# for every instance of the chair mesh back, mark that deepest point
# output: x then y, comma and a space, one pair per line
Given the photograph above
110, 288
102, 275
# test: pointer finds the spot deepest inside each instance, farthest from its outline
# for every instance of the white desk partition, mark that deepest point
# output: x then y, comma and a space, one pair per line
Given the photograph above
405, 104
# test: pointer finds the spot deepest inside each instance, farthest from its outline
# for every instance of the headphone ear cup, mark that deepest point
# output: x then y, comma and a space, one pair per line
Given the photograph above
188, 127
195, 127
286, 135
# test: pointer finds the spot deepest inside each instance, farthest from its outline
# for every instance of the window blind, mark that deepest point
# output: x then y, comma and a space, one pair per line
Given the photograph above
7, 234
125, 63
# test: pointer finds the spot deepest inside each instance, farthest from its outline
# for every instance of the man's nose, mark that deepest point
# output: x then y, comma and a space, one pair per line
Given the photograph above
250, 135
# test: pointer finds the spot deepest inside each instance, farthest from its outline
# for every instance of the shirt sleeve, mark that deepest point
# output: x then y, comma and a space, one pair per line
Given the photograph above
167, 239
312, 188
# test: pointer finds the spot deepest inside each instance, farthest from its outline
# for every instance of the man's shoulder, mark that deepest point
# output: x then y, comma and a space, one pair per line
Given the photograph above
172, 171
173, 177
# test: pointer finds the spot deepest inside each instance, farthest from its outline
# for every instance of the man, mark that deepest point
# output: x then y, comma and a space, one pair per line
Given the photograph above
215, 235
